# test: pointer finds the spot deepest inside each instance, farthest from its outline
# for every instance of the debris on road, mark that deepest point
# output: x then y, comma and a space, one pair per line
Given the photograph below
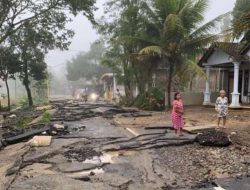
59, 127
40, 141
81, 154
25, 136
149, 141
42, 108
213, 138
158, 127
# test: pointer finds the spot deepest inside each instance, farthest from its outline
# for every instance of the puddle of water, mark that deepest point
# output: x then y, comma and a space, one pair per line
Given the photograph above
106, 158
87, 173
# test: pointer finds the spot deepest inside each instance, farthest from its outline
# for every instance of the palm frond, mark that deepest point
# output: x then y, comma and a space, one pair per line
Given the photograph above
193, 67
192, 14
173, 28
138, 40
206, 28
152, 50
202, 42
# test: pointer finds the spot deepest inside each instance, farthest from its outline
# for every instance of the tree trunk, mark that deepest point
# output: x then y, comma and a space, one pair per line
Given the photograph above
191, 85
127, 81
169, 84
8, 92
26, 83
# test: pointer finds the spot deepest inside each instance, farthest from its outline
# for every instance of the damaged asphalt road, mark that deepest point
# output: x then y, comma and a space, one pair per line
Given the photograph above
91, 152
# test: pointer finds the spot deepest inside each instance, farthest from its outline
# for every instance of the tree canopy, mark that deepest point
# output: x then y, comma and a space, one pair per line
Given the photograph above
14, 14
143, 34
241, 17
33, 27
87, 65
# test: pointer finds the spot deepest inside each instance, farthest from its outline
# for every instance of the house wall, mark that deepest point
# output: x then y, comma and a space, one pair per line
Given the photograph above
245, 67
189, 98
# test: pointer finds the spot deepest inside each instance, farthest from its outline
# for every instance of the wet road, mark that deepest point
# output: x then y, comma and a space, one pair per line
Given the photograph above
80, 160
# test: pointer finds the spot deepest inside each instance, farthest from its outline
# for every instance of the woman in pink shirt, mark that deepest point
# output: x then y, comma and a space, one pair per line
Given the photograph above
177, 114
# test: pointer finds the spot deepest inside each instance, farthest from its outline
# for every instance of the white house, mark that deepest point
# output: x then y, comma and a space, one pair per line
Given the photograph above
233, 61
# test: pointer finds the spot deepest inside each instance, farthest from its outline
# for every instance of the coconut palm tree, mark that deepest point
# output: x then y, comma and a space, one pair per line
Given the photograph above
179, 35
241, 20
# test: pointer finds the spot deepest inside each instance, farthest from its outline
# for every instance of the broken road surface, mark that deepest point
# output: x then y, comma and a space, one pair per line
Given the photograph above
91, 151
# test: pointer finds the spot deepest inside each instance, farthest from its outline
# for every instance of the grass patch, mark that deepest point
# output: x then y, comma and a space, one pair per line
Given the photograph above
46, 118
23, 122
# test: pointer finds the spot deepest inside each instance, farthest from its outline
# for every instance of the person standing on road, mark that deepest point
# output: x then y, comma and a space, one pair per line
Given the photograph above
118, 96
177, 114
221, 106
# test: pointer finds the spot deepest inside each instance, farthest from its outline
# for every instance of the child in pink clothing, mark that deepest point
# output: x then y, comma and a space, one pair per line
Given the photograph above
177, 114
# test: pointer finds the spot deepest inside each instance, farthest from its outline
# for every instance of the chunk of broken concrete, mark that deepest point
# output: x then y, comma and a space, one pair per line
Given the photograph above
59, 127
40, 141
41, 108
12, 116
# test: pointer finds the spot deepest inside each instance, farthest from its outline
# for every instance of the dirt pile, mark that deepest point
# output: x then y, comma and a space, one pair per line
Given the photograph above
213, 138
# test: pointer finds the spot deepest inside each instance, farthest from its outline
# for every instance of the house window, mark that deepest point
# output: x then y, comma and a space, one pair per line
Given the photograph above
246, 83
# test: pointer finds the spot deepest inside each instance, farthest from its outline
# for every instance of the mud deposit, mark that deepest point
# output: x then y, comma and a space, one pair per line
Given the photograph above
213, 138
81, 154
90, 151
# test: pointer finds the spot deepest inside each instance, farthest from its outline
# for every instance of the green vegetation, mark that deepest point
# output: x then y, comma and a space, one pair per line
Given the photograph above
150, 100
23, 102
29, 29
23, 122
241, 17
46, 118
88, 65
143, 35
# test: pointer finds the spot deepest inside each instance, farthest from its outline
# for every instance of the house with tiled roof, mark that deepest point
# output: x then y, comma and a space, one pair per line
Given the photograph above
233, 61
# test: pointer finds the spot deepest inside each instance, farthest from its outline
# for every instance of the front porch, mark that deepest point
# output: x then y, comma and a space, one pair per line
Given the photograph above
234, 74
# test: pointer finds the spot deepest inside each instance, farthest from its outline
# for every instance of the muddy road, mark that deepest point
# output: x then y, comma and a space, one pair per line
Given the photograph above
93, 152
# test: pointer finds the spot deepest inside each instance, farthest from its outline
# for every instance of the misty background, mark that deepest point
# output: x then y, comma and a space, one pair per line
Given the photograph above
85, 34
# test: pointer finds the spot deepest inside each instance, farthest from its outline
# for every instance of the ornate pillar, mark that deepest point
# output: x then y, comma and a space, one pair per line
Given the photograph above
207, 93
236, 95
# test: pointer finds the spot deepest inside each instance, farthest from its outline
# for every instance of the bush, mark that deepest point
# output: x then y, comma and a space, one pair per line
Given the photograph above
23, 122
24, 102
46, 118
152, 100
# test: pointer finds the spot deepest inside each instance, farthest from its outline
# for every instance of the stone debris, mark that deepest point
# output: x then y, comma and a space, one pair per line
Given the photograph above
12, 116
41, 108
40, 141
59, 127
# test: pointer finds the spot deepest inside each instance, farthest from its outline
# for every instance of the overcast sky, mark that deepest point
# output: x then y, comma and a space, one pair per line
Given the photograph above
85, 34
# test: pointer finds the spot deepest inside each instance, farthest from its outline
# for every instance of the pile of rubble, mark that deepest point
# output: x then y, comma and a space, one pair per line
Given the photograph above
213, 138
